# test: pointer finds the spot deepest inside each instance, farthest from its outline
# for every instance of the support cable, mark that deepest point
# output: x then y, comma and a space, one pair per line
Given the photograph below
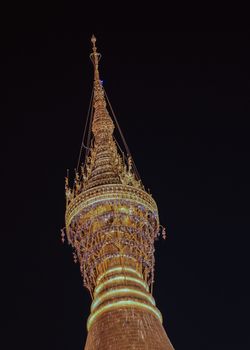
89, 132
84, 132
122, 136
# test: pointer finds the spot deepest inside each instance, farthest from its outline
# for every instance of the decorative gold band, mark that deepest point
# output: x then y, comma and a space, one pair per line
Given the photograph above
115, 279
120, 304
118, 292
106, 193
118, 269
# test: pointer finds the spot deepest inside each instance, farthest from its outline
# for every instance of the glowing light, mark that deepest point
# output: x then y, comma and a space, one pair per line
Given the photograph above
122, 303
119, 278
118, 292
118, 268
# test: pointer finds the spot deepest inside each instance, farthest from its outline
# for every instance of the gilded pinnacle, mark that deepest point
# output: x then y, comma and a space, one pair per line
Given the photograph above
93, 40
95, 57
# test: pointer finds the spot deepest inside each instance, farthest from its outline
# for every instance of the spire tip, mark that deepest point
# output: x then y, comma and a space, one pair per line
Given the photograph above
95, 56
93, 40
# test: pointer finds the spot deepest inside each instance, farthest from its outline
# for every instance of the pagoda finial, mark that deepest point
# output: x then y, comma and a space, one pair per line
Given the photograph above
95, 57
93, 40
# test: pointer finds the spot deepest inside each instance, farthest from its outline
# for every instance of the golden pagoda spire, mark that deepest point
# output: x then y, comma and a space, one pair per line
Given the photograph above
102, 126
104, 164
111, 224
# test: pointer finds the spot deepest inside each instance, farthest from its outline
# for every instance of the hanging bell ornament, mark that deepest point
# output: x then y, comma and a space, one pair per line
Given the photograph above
62, 236
164, 234
75, 258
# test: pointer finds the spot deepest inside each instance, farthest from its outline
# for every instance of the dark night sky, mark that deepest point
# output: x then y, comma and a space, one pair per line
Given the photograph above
182, 100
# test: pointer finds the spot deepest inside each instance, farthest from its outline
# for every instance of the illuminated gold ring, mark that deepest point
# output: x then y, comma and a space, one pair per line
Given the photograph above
127, 292
123, 303
99, 288
118, 268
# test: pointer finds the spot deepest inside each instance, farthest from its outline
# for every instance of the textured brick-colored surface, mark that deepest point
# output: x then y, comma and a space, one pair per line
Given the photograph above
123, 328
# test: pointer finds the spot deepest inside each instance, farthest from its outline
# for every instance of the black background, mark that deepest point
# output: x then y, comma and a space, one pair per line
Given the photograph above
182, 101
